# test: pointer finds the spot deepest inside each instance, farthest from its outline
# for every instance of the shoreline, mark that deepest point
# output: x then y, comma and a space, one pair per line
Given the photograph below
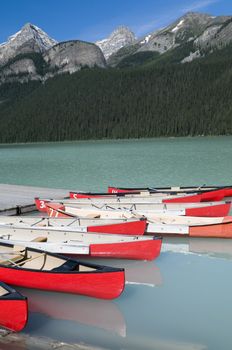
113, 140
21, 341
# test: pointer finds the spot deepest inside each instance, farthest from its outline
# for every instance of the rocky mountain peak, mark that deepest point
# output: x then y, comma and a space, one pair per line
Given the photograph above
29, 39
120, 37
31, 32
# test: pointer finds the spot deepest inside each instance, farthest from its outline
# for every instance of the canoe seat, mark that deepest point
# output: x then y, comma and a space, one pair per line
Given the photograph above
40, 239
12, 259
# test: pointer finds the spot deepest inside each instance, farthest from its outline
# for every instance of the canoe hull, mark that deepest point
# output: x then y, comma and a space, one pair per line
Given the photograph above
223, 230
217, 195
13, 314
188, 189
210, 211
41, 205
103, 284
143, 250
128, 228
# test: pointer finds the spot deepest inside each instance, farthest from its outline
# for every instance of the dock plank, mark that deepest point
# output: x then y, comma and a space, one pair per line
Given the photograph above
15, 199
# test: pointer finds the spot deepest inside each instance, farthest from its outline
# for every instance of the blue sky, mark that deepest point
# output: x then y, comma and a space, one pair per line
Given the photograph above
95, 19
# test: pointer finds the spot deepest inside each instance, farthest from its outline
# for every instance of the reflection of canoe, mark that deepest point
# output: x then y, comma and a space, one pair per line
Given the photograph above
142, 273
97, 313
217, 247
13, 309
202, 246
92, 244
33, 268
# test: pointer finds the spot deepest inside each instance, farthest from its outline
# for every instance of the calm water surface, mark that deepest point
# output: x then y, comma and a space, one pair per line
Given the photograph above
95, 165
180, 301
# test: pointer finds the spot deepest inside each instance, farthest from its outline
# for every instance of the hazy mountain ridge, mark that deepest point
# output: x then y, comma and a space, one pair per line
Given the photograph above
20, 61
203, 30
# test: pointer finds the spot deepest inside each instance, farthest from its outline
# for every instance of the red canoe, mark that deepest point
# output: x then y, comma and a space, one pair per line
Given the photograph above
65, 240
174, 190
223, 230
137, 250
217, 210
41, 204
13, 309
32, 268
135, 227
212, 210
212, 196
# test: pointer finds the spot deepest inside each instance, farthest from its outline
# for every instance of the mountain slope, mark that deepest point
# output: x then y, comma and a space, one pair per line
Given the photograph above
153, 100
204, 31
183, 90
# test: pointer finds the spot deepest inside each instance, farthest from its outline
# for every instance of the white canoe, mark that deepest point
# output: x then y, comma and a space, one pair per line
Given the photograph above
81, 224
150, 215
78, 243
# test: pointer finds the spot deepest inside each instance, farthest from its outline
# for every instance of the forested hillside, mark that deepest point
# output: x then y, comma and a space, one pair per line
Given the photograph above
145, 97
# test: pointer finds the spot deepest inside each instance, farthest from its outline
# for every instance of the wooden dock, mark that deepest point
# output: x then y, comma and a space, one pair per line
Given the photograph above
16, 200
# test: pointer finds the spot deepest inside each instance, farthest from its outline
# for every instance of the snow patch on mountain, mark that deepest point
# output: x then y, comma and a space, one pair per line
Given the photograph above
146, 39
178, 26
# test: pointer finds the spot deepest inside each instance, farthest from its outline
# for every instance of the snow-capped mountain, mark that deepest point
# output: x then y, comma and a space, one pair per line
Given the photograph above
32, 54
119, 38
29, 39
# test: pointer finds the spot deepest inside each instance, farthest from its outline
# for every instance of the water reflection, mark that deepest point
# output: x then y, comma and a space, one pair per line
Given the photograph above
97, 313
173, 303
144, 273
220, 248
213, 247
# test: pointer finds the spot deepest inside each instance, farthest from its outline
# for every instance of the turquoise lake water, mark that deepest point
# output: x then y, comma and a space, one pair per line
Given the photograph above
95, 165
182, 300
